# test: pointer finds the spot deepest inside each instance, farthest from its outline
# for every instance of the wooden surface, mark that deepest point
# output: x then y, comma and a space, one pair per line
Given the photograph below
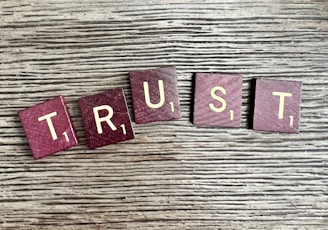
172, 175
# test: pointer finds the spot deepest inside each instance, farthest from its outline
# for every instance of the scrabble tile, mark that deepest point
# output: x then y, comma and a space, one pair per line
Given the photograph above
277, 106
217, 100
48, 127
155, 95
106, 118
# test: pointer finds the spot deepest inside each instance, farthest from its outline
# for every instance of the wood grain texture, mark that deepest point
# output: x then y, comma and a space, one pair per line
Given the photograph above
172, 175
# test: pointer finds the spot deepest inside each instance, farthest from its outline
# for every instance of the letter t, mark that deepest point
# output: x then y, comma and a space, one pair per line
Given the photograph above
282, 96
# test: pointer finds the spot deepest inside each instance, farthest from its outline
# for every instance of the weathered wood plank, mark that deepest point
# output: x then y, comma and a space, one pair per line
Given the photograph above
173, 175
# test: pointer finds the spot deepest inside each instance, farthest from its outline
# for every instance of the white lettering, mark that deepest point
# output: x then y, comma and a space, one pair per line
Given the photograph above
282, 96
161, 95
50, 124
220, 99
107, 118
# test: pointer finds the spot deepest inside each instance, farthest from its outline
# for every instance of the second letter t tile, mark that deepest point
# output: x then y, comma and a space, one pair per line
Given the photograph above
277, 106
106, 118
155, 95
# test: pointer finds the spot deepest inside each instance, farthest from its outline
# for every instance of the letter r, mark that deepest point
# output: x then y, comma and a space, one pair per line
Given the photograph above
107, 118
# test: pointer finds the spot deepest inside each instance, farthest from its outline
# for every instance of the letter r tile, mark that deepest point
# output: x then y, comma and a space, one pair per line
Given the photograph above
106, 118
217, 100
155, 95
277, 106
48, 127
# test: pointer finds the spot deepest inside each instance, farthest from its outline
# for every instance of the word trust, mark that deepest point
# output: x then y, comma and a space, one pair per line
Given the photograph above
217, 102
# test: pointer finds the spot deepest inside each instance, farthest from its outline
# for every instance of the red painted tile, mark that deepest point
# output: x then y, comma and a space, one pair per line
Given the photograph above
106, 118
48, 127
155, 95
217, 100
277, 106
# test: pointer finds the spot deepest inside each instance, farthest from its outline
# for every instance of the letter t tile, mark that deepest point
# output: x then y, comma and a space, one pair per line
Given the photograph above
277, 106
48, 127
106, 118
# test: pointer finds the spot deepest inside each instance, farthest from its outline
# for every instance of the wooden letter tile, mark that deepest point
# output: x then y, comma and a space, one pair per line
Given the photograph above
217, 100
106, 118
48, 127
155, 95
277, 106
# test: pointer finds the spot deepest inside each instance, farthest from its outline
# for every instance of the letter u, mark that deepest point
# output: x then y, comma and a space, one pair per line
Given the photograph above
161, 95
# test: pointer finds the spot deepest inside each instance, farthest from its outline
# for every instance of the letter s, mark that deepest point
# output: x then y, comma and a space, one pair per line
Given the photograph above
218, 98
